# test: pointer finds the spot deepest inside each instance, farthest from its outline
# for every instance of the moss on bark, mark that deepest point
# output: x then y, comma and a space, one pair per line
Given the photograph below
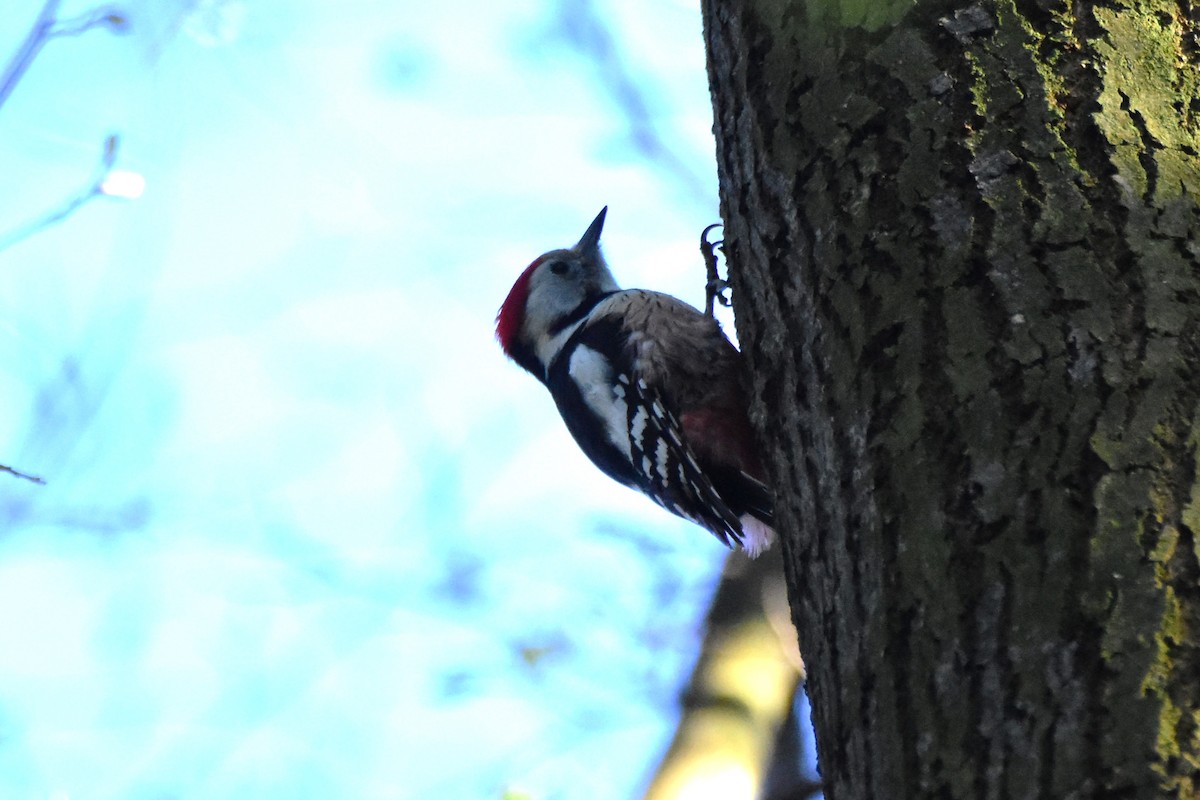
963, 242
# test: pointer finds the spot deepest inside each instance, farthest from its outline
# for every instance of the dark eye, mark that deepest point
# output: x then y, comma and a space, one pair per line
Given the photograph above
558, 267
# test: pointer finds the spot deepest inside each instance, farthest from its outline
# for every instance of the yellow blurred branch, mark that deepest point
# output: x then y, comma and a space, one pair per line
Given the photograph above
740, 692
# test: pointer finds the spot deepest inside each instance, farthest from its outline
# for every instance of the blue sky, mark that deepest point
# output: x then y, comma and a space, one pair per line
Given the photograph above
305, 533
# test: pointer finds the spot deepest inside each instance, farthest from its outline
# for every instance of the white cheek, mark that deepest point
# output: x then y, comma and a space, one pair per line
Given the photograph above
549, 299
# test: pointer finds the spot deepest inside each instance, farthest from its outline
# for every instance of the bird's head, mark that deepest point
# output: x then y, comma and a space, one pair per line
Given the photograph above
553, 292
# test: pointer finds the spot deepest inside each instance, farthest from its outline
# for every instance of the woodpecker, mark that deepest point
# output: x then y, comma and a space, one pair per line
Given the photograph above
648, 386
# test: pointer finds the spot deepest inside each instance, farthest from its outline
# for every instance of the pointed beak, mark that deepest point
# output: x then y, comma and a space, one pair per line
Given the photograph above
591, 237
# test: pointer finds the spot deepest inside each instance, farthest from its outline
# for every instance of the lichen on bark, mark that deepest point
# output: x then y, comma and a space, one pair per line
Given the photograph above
962, 243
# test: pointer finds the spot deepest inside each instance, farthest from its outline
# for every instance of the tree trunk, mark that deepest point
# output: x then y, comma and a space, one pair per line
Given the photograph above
963, 244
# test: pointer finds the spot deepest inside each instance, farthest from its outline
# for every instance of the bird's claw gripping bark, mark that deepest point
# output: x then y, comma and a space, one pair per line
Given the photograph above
716, 286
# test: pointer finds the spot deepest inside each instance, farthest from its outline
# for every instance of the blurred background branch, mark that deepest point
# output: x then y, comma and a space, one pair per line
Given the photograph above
47, 27
738, 737
250, 572
581, 25
105, 181
19, 474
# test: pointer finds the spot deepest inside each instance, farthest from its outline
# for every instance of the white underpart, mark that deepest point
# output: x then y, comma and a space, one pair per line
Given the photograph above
757, 535
592, 372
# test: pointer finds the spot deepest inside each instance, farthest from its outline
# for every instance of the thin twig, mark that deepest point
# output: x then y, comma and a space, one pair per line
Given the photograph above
47, 27
106, 16
107, 159
28, 49
19, 474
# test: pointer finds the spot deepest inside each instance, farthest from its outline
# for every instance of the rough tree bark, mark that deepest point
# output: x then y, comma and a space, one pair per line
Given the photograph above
963, 244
